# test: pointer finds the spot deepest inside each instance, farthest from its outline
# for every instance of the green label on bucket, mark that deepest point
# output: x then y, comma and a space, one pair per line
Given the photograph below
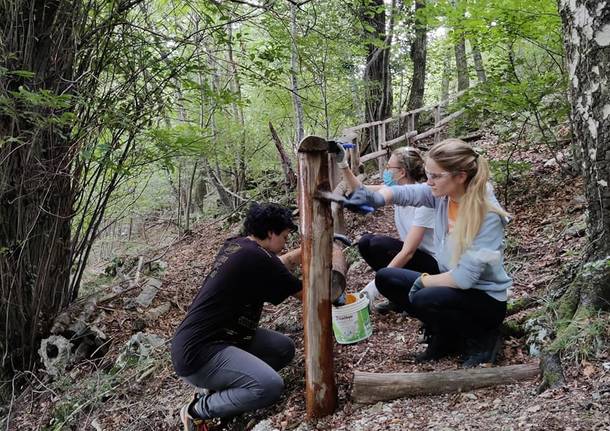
352, 327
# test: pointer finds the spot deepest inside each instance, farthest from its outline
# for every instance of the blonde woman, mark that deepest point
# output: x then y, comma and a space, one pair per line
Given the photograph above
414, 249
463, 306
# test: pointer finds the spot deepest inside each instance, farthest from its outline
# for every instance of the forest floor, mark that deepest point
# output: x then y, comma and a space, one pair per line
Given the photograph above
546, 232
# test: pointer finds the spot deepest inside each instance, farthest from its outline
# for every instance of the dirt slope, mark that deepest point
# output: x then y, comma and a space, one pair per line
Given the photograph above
545, 206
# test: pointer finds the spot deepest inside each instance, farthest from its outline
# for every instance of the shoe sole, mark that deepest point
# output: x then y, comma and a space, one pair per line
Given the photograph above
185, 419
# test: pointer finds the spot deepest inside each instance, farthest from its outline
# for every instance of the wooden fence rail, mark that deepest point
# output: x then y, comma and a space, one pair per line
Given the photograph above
383, 147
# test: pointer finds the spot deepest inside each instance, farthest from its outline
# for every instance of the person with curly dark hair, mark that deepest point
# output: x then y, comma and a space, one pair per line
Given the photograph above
219, 346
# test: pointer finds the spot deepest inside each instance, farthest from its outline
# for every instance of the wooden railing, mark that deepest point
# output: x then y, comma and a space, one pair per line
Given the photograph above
382, 147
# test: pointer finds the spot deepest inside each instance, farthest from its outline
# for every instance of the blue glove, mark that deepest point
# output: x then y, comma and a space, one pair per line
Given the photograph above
340, 154
364, 197
416, 287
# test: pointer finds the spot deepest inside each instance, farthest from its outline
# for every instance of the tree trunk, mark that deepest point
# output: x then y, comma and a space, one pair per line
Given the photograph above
461, 63
374, 387
377, 77
290, 178
478, 62
418, 57
36, 187
239, 175
588, 59
446, 78
294, 83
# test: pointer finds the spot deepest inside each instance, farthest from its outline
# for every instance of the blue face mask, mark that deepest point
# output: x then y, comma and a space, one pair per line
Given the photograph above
388, 178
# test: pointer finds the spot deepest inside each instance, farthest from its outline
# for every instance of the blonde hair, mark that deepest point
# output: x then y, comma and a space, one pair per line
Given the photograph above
454, 156
411, 160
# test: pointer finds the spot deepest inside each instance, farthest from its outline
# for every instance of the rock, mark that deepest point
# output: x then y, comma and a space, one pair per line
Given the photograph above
303, 426
265, 425
358, 266
577, 230
554, 161
146, 296
289, 324
55, 353
157, 312
138, 348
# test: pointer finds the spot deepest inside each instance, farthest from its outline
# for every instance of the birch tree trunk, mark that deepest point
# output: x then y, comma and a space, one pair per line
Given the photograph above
587, 46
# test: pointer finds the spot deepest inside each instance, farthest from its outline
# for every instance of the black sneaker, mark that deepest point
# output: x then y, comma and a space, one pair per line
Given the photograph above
388, 306
482, 349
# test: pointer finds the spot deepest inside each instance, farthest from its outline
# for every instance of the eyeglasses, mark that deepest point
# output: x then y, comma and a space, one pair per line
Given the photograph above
393, 167
435, 176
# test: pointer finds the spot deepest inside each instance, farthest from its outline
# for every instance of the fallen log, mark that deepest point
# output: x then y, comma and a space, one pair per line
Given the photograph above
374, 387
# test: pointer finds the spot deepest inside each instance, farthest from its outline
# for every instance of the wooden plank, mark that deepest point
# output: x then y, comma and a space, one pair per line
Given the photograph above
450, 117
400, 139
374, 387
316, 245
426, 134
374, 155
350, 130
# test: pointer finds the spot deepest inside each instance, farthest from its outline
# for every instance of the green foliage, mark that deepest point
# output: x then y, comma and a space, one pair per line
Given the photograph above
503, 170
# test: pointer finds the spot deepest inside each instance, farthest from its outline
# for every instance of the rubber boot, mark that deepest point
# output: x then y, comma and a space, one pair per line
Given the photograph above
439, 345
482, 349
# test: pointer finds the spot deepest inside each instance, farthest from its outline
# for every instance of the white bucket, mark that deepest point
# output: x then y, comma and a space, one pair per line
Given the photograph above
351, 322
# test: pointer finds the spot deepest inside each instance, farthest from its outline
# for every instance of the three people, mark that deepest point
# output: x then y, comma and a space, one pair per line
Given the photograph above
219, 346
415, 248
463, 306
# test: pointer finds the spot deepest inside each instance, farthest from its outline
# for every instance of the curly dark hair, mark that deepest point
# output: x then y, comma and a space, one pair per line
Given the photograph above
262, 218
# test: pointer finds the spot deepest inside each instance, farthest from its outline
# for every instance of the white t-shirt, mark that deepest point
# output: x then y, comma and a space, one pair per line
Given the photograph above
407, 216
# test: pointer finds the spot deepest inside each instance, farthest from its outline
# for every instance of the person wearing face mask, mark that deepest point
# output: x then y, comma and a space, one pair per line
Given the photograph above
463, 307
415, 248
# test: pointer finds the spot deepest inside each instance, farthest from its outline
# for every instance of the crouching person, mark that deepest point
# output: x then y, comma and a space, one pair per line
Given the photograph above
219, 346
463, 306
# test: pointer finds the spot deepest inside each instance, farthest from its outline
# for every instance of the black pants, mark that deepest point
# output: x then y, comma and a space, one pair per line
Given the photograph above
463, 312
379, 250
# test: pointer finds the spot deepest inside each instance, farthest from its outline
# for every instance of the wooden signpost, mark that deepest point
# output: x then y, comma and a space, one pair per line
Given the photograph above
316, 245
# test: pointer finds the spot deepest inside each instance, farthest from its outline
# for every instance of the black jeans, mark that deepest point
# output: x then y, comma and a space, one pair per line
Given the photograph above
379, 250
463, 312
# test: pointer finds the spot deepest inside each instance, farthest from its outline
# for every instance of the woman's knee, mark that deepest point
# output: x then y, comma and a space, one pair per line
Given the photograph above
364, 243
383, 280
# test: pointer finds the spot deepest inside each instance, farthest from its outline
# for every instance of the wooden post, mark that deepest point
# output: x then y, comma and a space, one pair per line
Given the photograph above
381, 161
316, 245
355, 157
437, 120
374, 387
339, 272
333, 172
